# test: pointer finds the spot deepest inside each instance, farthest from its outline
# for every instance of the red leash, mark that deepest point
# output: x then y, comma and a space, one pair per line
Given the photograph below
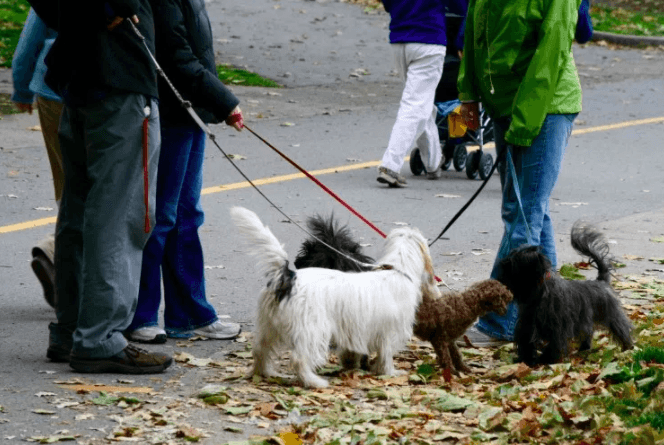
323, 186
146, 191
320, 184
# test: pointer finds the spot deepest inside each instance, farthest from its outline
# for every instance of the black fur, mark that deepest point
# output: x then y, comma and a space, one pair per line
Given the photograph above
315, 254
554, 311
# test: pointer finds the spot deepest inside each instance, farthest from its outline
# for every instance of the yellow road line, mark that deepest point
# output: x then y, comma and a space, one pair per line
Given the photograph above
28, 225
283, 178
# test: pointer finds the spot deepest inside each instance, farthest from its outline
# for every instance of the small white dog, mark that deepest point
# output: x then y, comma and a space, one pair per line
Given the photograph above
360, 312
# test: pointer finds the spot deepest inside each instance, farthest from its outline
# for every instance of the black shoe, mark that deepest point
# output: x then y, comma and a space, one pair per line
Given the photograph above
58, 353
45, 271
131, 360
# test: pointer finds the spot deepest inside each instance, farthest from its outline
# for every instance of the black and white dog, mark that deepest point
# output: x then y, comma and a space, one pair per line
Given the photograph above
553, 311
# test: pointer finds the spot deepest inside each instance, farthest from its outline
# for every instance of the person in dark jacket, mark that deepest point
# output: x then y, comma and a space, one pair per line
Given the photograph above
110, 145
174, 252
418, 39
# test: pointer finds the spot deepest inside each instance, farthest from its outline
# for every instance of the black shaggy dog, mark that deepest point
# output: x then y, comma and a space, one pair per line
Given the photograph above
554, 311
314, 254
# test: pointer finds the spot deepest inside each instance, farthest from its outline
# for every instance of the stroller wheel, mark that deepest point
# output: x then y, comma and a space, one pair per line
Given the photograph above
446, 163
459, 158
472, 164
447, 148
416, 164
486, 163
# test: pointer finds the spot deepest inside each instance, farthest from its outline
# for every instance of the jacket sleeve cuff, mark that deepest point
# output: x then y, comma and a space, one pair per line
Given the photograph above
465, 97
23, 97
520, 140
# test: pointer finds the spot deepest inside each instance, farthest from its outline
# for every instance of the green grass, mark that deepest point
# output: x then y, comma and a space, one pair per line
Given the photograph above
621, 21
12, 16
235, 76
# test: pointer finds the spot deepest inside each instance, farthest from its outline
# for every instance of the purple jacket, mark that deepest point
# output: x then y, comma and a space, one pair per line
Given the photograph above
421, 21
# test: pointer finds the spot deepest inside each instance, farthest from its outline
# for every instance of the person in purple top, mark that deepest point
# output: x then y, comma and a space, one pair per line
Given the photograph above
418, 39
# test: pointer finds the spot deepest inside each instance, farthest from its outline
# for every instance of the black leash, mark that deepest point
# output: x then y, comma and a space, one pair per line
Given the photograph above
499, 158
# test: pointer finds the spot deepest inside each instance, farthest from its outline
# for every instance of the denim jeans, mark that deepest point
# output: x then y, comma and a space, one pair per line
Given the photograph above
174, 249
537, 168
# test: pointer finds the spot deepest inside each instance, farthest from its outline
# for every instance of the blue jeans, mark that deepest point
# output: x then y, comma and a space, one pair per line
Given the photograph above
537, 169
174, 249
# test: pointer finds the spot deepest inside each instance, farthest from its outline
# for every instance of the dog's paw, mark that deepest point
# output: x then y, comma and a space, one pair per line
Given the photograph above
315, 382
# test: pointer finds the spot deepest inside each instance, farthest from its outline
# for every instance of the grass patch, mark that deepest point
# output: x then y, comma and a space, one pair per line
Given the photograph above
12, 16
6, 105
622, 21
235, 76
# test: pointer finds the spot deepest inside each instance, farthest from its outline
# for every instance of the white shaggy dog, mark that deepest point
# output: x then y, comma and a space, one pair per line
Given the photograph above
360, 312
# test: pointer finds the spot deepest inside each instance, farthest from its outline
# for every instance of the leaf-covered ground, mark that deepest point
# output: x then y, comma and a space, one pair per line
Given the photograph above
603, 396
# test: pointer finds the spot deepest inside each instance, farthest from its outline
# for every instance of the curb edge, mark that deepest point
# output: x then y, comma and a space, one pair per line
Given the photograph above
628, 40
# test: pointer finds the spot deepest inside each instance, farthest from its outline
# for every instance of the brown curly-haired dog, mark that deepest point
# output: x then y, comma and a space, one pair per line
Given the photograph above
442, 320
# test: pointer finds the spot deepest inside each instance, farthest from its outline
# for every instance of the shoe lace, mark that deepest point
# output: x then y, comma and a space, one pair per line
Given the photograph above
135, 351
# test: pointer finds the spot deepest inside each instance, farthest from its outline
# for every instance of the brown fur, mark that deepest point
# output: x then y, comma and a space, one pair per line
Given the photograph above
442, 320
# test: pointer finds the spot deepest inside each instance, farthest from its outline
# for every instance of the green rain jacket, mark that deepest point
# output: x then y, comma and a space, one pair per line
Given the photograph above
518, 62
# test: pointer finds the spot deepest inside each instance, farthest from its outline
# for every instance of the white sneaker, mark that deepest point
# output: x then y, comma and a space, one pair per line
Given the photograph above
479, 339
150, 334
219, 330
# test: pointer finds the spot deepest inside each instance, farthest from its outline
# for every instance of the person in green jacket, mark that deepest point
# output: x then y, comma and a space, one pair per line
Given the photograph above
518, 63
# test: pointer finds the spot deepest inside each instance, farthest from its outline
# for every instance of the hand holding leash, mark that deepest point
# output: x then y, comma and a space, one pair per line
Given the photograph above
470, 112
235, 119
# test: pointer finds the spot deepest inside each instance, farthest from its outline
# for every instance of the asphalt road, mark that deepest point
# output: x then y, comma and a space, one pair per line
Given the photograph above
332, 120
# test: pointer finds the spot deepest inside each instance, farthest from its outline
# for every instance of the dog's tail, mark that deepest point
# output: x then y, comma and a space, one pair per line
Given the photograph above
589, 241
272, 258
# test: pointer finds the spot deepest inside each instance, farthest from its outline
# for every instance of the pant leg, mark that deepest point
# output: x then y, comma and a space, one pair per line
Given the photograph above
537, 169
173, 166
112, 226
185, 298
69, 228
420, 66
49, 118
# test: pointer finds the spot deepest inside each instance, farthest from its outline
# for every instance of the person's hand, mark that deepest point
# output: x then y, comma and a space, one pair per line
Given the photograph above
460, 54
470, 112
235, 119
117, 20
23, 108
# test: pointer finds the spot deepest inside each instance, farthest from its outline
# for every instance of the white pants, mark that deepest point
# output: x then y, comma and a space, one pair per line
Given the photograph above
420, 67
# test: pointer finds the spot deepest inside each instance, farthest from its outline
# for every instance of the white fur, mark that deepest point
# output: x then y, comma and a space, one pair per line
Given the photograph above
361, 313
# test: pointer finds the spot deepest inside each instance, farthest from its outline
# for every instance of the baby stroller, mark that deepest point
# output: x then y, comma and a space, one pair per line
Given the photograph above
458, 145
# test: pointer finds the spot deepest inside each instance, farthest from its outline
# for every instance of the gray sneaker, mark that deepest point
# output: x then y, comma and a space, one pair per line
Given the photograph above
479, 339
219, 331
391, 178
435, 174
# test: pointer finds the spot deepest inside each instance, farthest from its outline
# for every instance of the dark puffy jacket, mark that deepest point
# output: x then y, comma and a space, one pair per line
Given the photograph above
185, 53
86, 59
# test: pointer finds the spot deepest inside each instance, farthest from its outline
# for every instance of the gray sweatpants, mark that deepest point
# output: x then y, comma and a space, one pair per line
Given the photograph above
100, 233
